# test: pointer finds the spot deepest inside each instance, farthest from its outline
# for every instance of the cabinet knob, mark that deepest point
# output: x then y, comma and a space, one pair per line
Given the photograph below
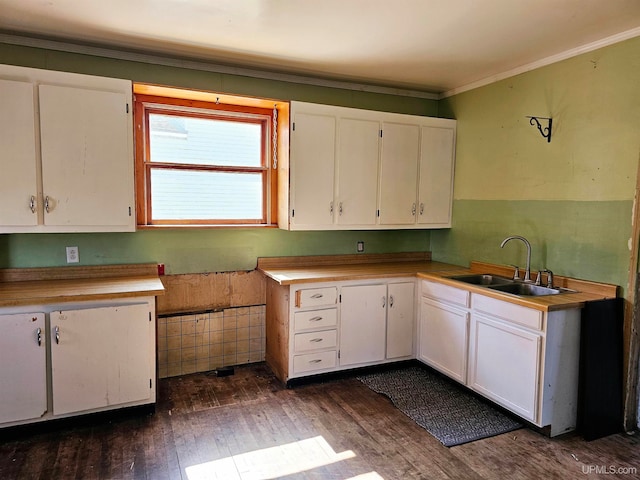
46, 204
391, 301
331, 208
39, 336
384, 302
421, 208
32, 204
57, 332
413, 209
340, 208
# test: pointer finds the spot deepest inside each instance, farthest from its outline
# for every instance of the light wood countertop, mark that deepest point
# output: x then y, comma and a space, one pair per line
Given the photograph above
23, 287
295, 270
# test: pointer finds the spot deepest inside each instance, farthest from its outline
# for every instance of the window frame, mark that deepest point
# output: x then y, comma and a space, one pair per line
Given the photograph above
145, 104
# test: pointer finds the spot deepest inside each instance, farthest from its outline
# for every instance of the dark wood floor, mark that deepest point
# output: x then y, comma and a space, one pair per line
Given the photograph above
247, 426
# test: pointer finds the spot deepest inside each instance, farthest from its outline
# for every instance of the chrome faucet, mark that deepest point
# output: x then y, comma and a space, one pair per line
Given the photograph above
527, 272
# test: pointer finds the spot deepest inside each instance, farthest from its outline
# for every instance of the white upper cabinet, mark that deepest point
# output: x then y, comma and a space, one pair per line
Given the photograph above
400, 154
435, 190
70, 143
18, 191
357, 179
313, 141
353, 169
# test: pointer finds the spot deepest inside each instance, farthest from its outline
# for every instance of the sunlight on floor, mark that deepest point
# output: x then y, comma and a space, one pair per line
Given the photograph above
274, 462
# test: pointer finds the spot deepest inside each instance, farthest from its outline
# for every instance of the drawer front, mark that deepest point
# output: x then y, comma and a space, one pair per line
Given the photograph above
315, 297
517, 314
445, 293
314, 361
315, 319
306, 342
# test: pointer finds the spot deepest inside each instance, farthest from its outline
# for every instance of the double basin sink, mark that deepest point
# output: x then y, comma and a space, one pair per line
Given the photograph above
508, 285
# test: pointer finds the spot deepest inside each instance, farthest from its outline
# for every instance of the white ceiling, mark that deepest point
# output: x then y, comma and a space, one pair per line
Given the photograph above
428, 45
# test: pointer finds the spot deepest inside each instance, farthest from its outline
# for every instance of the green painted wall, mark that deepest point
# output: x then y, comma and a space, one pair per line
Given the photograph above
572, 198
203, 250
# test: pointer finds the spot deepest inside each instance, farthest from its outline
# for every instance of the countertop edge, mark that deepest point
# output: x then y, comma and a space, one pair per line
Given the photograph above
24, 293
434, 271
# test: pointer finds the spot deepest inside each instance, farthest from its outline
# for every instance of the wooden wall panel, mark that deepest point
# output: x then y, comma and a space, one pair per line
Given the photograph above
207, 291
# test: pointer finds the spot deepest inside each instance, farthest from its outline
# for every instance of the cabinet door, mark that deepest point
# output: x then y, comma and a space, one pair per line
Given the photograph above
23, 370
362, 324
358, 146
505, 365
443, 338
101, 357
399, 169
87, 166
313, 141
435, 191
18, 187
400, 320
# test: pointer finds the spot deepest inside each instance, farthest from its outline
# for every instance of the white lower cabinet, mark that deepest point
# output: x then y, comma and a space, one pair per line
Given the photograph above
524, 359
23, 377
363, 312
325, 327
401, 315
443, 338
98, 359
76, 358
505, 364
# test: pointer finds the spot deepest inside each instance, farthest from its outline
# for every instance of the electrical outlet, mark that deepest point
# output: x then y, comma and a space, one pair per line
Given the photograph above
73, 255
360, 247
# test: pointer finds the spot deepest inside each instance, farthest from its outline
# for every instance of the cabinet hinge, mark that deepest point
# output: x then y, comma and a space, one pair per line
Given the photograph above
127, 108
338, 353
378, 212
340, 298
149, 316
129, 211
293, 213
381, 133
293, 126
150, 384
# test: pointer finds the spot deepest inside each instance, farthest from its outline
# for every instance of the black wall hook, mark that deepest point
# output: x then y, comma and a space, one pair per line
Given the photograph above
545, 131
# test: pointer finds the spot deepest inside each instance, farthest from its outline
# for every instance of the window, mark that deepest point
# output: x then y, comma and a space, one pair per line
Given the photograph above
202, 162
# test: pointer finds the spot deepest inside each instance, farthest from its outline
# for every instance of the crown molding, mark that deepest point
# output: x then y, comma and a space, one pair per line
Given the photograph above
202, 65
589, 47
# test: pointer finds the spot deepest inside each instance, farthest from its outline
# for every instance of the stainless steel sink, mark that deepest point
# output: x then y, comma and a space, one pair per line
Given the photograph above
529, 289
483, 279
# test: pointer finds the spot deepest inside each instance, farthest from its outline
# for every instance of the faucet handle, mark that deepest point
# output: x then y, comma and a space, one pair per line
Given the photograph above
549, 277
516, 272
539, 277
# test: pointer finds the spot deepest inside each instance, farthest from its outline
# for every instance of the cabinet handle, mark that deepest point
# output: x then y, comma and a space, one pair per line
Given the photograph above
317, 360
331, 208
32, 204
57, 332
390, 301
39, 336
340, 208
46, 204
317, 295
384, 302
421, 208
413, 209
315, 340
315, 319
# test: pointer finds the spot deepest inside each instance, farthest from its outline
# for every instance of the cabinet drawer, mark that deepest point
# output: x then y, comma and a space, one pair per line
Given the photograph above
445, 293
305, 342
314, 361
526, 317
315, 297
315, 319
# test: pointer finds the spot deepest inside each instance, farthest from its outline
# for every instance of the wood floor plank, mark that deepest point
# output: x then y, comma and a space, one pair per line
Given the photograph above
248, 426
